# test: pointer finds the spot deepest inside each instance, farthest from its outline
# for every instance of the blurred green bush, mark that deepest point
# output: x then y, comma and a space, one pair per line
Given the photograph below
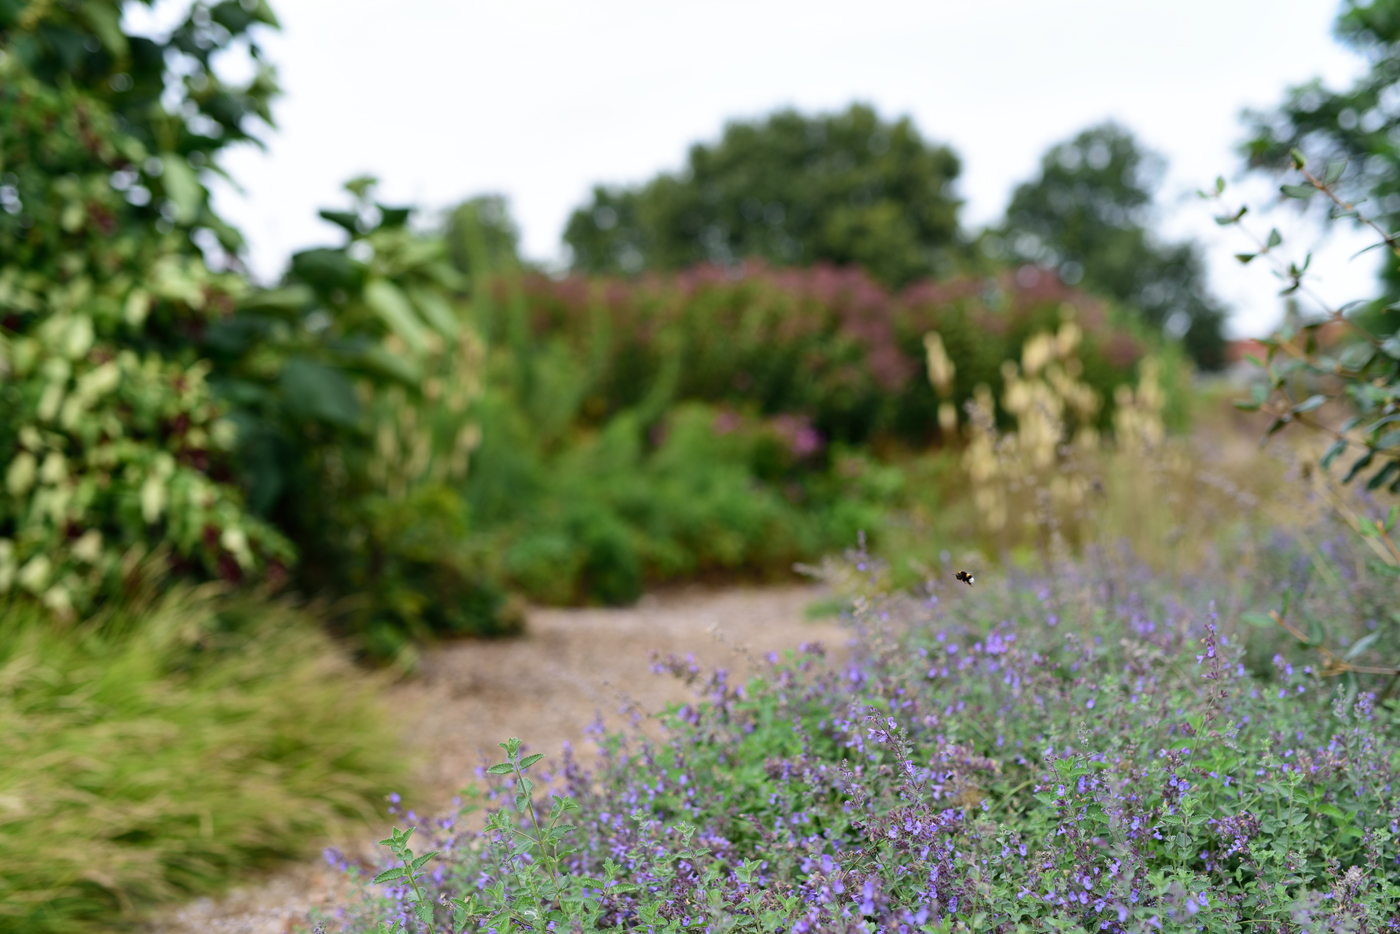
640, 431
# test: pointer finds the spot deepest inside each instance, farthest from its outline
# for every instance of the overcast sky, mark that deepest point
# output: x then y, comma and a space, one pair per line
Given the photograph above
541, 99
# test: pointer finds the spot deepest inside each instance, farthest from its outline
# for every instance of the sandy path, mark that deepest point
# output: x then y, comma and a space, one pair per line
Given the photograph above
544, 688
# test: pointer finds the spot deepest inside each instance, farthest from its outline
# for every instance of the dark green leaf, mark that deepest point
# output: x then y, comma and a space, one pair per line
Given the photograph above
348, 220
1299, 160
1245, 257
418, 863
319, 392
1382, 476
393, 217
326, 270
1332, 452
530, 760
1360, 464
1275, 238
389, 875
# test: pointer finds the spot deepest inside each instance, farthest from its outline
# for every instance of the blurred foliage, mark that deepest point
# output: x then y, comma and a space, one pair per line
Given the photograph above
829, 345
351, 385
1357, 126
109, 438
1330, 358
154, 750
846, 189
637, 432
1088, 215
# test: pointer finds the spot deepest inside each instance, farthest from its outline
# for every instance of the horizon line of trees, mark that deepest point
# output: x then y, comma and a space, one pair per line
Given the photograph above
851, 188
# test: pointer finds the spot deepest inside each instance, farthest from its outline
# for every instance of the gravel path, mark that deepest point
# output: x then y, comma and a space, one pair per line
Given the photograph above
545, 688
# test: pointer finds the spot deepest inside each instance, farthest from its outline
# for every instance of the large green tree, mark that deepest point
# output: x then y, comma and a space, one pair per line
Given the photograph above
1359, 126
1089, 213
847, 188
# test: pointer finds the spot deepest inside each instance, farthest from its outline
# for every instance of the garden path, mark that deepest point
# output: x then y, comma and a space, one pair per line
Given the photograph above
545, 688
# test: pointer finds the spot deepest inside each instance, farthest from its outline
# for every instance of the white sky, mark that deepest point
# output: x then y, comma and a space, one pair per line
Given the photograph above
540, 99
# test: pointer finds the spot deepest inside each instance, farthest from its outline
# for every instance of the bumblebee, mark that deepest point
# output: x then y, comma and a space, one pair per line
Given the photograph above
965, 577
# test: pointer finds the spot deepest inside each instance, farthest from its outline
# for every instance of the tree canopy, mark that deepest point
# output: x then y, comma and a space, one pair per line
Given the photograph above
1359, 126
849, 189
1088, 214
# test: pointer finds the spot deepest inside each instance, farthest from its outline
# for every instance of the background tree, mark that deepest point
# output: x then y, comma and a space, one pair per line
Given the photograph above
847, 188
1360, 125
1088, 214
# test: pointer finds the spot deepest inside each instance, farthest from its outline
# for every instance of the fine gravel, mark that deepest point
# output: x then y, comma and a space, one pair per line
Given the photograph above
572, 666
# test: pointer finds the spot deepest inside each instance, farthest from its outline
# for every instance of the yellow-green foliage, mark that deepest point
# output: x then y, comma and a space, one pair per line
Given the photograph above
158, 748
109, 434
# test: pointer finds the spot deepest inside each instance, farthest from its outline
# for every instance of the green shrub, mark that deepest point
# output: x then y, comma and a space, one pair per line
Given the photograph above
352, 385
109, 437
159, 748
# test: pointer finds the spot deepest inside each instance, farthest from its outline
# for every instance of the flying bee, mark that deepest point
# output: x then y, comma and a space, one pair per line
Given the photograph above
965, 577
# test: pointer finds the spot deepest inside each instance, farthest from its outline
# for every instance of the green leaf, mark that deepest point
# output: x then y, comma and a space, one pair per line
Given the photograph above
1390, 519
1309, 404
1316, 634
1219, 184
1360, 464
389, 875
348, 220
418, 863
1244, 258
424, 911
1357, 356
436, 311
528, 761
1246, 405
1379, 424
394, 309
1391, 346
1361, 645
1333, 173
314, 390
1299, 160
182, 187
1382, 476
1262, 620
1275, 238
1335, 449
501, 768
1301, 192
